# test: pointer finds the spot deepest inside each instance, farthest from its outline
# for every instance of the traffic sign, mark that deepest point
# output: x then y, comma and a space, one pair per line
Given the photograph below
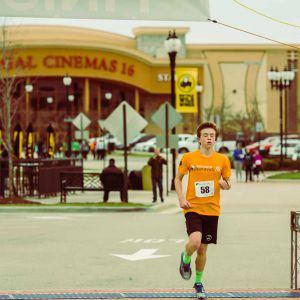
82, 134
134, 122
259, 127
81, 121
161, 141
159, 117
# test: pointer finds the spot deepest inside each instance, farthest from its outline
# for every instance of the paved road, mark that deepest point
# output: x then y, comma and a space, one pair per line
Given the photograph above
62, 251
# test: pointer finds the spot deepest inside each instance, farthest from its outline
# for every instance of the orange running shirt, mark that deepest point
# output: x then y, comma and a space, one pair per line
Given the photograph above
203, 189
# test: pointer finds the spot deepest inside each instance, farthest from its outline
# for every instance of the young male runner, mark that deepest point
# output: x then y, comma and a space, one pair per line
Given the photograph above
208, 172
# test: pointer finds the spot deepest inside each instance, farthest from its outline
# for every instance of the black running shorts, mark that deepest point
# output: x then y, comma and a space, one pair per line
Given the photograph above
207, 225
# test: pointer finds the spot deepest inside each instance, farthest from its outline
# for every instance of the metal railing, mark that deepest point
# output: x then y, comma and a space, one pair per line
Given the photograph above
36, 177
295, 253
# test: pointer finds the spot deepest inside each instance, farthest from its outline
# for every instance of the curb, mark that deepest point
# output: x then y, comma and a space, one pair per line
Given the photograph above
71, 209
282, 180
83, 209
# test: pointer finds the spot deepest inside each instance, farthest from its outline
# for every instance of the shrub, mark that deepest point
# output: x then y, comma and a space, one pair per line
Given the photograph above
270, 164
274, 164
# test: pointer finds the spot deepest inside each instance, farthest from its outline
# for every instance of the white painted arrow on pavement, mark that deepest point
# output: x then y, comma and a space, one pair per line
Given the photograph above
140, 255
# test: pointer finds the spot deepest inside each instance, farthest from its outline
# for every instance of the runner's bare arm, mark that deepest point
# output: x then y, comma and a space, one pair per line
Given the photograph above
178, 186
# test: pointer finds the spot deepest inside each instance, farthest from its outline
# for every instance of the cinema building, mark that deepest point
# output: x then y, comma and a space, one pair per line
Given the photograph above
107, 68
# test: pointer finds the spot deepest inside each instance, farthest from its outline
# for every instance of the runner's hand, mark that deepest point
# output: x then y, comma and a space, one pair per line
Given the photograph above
224, 185
184, 203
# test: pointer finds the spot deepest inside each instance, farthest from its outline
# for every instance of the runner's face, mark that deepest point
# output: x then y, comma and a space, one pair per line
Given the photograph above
207, 138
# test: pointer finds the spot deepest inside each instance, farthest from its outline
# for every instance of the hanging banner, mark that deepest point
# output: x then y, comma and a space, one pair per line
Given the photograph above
185, 89
161, 10
50, 141
29, 142
18, 141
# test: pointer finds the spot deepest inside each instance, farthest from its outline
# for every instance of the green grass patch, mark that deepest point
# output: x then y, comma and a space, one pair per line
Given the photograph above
291, 175
84, 204
100, 204
132, 154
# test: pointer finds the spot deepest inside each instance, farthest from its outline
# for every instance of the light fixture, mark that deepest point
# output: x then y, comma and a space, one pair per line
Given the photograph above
199, 88
108, 96
172, 43
67, 80
71, 98
49, 100
28, 87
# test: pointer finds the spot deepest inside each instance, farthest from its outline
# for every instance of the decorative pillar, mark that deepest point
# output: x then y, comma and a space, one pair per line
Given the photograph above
99, 108
137, 100
86, 95
99, 102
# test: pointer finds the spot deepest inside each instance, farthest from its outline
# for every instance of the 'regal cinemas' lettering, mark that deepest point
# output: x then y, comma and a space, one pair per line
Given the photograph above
85, 62
19, 63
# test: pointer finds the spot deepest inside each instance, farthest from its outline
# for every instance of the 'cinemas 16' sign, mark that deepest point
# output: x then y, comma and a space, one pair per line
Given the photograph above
71, 61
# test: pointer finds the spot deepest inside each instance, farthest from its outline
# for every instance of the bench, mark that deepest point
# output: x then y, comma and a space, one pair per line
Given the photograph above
79, 181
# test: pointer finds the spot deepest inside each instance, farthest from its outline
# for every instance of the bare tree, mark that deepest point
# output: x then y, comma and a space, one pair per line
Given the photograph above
8, 103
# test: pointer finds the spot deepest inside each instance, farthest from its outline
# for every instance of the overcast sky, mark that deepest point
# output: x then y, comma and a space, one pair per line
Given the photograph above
225, 11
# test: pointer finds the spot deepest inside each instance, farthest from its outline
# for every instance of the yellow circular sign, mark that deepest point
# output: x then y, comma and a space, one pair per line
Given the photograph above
186, 83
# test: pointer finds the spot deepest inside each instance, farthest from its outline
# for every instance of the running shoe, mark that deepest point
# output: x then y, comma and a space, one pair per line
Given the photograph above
185, 269
200, 292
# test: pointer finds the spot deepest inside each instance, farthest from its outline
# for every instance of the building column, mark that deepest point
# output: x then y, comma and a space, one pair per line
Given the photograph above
137, 100
99, 108
86, 105
27, 100
99, 102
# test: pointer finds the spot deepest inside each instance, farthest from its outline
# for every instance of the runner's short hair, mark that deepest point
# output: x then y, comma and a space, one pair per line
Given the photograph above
207, 125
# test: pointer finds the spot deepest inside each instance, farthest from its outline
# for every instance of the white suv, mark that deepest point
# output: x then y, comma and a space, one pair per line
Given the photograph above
188, 145
192, 144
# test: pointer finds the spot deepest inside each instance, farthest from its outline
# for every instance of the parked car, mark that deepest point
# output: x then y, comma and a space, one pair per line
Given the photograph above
147, 146
296, 152
289, 147
141, 138
192, 144
266, 144
225, 146
188, 145
183, 138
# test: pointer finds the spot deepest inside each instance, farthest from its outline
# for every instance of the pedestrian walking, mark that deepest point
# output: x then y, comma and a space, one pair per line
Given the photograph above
238, 158
156, 162
248, 165
100, 149
208, 172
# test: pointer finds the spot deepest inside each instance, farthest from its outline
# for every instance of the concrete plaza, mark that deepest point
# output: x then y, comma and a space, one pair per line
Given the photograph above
58, 251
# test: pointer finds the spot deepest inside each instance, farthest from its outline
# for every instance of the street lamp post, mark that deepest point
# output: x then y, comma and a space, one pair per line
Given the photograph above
67, 80
28, 90
199, 89
280, 81
172, 46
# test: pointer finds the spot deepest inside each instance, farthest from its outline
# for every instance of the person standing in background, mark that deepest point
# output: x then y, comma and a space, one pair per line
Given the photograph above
156, 162
238, 158
257, 164
248, 165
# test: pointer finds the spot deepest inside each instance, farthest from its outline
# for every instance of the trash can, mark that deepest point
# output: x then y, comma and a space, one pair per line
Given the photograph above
135, 180
146, 178
111, 147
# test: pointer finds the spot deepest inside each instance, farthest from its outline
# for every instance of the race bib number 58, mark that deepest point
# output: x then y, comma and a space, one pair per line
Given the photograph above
204, 188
